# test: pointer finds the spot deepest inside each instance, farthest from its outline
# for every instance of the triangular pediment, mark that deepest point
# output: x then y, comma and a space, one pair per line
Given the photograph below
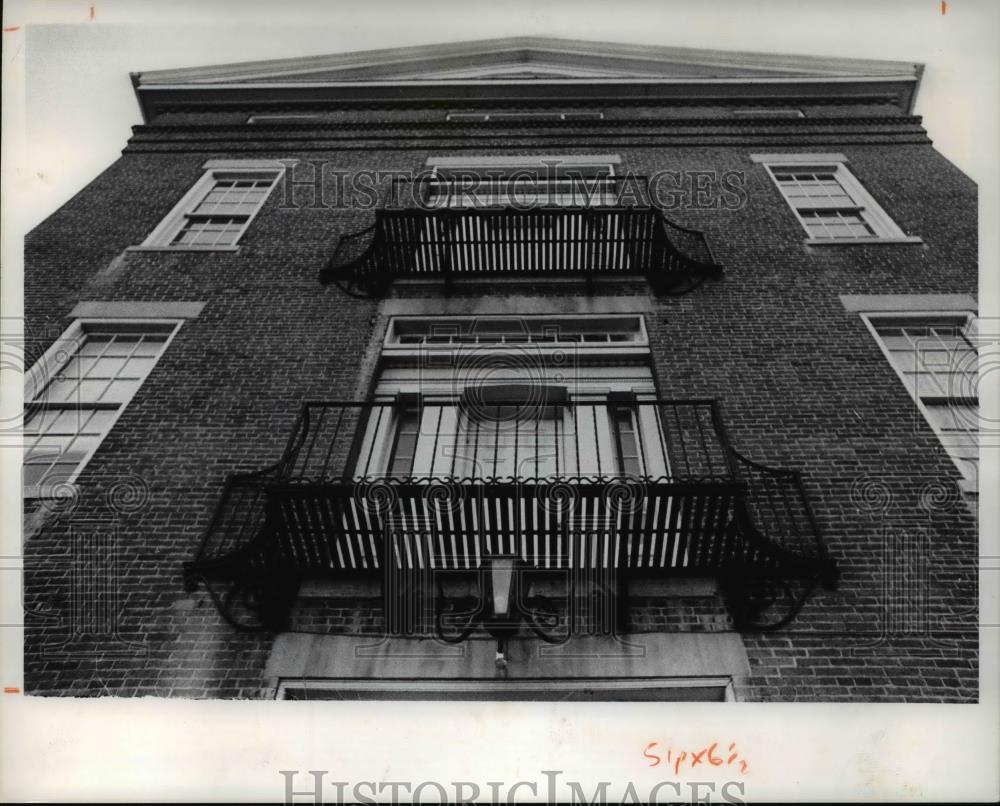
530, 59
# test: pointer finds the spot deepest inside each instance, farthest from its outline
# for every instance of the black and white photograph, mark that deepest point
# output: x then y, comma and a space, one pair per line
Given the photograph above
445, 359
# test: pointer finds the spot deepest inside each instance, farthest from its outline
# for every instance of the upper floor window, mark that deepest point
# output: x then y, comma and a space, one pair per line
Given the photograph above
936, 358
829, 201
216, 212
79, 388
522, 181
477, 117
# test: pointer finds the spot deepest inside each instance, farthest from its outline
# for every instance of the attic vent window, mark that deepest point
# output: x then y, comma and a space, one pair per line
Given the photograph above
280, 118
481, 117
764, 112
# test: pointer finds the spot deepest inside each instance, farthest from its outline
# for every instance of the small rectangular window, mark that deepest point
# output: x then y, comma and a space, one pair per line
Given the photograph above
216, 212
281, 118
77, 391
831, 204
763, 112
482, 117
594, 331
936, 359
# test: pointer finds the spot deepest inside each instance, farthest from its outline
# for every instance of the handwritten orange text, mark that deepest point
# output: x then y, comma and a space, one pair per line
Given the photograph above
714, 755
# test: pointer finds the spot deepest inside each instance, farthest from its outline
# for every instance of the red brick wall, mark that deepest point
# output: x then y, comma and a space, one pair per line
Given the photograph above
801, 382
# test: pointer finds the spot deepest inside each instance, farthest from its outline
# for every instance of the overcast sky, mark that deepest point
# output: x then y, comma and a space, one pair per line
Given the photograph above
80, 104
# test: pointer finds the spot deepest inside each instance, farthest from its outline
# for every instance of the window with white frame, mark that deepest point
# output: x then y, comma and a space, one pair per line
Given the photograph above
936, 358
490, 397
595, 331
524, 181
78, 390
831, 204
216, 212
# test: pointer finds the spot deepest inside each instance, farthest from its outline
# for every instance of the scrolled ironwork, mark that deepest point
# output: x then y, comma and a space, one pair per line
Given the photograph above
327, 509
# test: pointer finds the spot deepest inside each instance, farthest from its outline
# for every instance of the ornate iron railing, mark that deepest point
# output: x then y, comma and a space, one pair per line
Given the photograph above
450, 243
423, 484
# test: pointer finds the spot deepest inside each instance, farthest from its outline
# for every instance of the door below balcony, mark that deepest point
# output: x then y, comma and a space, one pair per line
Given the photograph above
649, 667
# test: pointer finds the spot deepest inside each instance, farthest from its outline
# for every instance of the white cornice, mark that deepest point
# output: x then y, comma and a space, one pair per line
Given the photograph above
489, 69
424, 59
529, 82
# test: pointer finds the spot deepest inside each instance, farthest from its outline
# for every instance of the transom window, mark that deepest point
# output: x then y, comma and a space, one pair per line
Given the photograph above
831, 204
471, 331
216, 211
79, 389
937, 361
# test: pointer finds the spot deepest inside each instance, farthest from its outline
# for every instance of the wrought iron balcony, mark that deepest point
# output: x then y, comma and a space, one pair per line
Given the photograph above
419, 485
450, 243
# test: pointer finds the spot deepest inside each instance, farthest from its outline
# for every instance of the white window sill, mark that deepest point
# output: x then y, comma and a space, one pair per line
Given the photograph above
182, 249
852, 241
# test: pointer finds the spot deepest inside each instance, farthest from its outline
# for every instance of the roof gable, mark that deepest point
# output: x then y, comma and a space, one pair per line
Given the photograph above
529, 57
530, 69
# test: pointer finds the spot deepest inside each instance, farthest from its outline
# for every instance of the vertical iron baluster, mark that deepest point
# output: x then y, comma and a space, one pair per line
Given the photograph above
475, 449
437, 434
371, 448
597, 439
538, 419
701, 436
558, 417
333, 441
576, 437
517, 437
318, 426
455, 442
664, 443
496, 441
680, 433
643, 469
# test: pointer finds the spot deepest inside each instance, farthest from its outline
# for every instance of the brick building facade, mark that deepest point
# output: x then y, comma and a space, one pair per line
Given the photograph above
815, 274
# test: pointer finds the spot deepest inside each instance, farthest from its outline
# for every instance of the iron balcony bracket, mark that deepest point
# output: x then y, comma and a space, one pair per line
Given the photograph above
319, 512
